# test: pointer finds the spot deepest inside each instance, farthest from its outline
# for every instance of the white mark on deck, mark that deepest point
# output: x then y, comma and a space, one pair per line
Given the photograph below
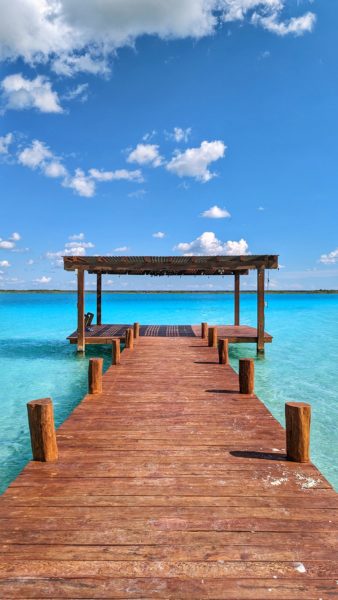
306, 483
275, 480
300, 567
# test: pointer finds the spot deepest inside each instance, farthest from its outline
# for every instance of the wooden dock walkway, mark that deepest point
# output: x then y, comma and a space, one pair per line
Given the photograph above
170, 484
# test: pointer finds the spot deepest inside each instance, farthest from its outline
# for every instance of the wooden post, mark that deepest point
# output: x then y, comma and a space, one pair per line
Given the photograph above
99, 299
246, 376
237, 299
223, 351
260, 310
136, 331
116, 352
212, 337
204, 330
95, 375
81, 341
298, 420
42, 430
130, 338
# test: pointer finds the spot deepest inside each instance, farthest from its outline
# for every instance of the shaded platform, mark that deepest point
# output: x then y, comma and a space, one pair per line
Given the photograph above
170, 484
104, 334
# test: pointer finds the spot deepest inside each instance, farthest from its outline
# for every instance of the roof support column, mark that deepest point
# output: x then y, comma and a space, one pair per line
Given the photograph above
80, 311
260, 310
98, 298
237, 299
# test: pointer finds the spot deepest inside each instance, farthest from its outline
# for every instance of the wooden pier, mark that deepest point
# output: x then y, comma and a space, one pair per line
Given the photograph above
170, 483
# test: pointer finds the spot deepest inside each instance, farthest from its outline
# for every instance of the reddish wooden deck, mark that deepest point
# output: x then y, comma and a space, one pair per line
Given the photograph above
170, 485
103, 334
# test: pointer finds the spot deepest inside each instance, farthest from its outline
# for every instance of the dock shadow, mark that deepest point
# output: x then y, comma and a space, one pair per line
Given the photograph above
223, 391
260, 455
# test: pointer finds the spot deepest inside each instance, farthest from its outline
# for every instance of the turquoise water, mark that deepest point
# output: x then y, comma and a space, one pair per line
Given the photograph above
36, 360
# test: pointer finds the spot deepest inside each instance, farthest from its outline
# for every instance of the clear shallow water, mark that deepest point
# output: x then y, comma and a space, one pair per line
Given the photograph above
36, 360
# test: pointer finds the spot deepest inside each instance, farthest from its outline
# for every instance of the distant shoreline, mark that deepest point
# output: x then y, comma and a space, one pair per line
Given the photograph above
224, 292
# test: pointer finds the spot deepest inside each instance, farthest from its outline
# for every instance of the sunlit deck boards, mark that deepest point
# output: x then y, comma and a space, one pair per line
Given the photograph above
170, 485
103, 334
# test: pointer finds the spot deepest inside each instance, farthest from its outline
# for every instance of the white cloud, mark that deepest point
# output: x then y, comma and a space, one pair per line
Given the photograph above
6, 244
43, 279
15, 236
208, 244
5, 142
146, 154
330, 258
5, 263
77, 236
121, 249
77, 244
81, 184
55, 169
35, 155
118, 174
159, 234
180, 135
215, 212
81, 36
80, 92
30, 262
19, 93
194, 162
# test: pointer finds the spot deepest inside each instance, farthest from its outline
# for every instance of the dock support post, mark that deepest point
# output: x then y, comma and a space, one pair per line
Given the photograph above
298, 420
116, 352
130, 338
95, 368
260, 311
42, 430
136, 331
246, 376
237, 299
212, 337
99, 299
223, 351
204, 330
80, 311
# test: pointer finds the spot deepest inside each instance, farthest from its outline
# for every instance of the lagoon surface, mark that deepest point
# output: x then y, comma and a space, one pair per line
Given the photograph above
37, 361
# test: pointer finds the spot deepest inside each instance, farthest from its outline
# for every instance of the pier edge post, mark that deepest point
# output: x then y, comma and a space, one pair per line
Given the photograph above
42, 430
212, 337
136, 328
95, 368
246, 376
223, 351
204, 330
116, 352
298, 421
130, 338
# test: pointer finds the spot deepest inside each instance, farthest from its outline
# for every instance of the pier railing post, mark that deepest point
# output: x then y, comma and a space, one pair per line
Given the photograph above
95, 368
204, 331
223, 351
42, 430
116, 352
298, 420
130, 338
246, 376
212, 337
136, 331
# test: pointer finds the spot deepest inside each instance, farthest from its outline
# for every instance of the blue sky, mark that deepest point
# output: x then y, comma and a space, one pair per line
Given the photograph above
168, 131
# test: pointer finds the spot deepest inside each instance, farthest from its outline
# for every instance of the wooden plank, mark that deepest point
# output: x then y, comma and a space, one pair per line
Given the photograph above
171, 484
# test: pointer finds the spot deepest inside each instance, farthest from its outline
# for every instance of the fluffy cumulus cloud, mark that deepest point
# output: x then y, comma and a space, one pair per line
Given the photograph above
10, 243
5, 264
146, 154
39, 156
208, 244
194, 162
43, 279
81, 36
20, 93
5, 142
76, 246
215, 212
159, 235
180, 135
330, 258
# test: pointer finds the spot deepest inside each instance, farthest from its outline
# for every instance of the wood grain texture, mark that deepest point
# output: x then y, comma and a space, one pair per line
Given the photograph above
298, 420
212, 337
42, 430
95, 369
116, 352
246, 376
170, 485
223, 351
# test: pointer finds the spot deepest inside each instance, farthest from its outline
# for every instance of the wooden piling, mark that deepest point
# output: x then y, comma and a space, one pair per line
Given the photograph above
223, 351
130, 338
95, 368
116, 352
42, 430
298, 420
136, 331
204, 330
246, 376
212, 337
